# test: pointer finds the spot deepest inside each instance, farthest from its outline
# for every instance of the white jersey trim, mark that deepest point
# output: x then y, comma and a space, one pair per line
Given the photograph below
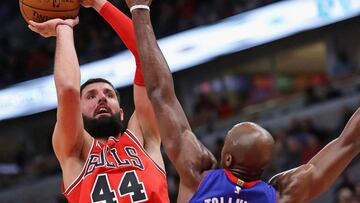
79, 178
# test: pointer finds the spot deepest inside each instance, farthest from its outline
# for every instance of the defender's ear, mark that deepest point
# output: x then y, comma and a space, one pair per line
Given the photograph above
228, 160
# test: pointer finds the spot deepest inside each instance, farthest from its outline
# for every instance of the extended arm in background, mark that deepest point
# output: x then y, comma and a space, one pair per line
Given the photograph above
310, 180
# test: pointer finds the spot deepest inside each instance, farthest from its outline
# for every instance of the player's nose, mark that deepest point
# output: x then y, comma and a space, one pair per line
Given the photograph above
102, 98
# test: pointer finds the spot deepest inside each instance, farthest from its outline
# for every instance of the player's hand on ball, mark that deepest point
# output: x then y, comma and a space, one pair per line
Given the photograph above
48, 28
45, 29
72, 22
131, 3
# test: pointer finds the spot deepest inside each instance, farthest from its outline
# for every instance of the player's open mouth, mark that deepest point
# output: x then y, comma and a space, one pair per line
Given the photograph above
102, 109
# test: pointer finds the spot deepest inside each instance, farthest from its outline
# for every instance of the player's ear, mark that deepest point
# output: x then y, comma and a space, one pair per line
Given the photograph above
228, 160
121, 114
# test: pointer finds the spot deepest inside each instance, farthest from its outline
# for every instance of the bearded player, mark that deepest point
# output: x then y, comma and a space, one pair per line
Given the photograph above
247, 150
100, 160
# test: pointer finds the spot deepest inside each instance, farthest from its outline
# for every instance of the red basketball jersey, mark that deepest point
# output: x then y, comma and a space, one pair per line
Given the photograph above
120, 171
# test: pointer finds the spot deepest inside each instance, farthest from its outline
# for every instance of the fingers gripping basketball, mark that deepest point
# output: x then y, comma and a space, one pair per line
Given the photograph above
43, 10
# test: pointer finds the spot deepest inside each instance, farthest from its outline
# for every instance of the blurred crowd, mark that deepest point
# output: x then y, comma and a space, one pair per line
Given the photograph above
224, 97
24, 55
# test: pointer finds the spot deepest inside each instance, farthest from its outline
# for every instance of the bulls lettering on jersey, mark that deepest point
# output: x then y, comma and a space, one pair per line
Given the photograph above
220, 186
120, 171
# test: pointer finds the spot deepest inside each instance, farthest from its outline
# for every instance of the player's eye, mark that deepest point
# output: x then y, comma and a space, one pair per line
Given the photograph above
110, 95
90, 96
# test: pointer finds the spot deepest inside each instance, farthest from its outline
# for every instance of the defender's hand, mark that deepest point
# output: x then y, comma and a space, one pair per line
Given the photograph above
131, 3
48, 28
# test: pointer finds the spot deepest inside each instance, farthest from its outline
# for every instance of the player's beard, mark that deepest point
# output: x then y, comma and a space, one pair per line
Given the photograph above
105, 126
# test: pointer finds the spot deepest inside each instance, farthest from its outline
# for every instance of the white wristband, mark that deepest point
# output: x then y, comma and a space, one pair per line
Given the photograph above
146, 7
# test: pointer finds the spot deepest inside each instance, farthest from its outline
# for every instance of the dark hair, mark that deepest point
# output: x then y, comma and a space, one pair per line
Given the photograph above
95, 80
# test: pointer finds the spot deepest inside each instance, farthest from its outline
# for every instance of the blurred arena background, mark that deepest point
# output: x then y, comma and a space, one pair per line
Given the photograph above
292, 66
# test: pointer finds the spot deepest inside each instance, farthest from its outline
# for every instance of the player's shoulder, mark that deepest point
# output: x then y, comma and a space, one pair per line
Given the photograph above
129, 138
207, 178
212, 173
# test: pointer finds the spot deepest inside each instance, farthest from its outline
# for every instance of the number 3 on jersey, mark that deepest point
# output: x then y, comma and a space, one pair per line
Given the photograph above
129, 185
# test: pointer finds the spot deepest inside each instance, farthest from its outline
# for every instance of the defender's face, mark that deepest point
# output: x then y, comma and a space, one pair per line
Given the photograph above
98, 100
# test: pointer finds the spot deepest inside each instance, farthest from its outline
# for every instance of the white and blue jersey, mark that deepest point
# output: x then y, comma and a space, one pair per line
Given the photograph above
221, 186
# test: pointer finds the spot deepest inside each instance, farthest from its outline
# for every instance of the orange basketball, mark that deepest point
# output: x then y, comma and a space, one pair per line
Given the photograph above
43, 10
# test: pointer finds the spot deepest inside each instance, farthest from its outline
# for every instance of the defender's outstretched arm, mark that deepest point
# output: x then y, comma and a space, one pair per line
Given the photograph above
190, 157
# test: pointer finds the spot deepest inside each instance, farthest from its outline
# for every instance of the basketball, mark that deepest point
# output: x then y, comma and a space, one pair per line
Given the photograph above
43, 10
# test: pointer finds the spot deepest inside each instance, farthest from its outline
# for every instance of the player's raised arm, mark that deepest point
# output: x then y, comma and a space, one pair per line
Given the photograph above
188, 155
144, 113
310, 180
68, 136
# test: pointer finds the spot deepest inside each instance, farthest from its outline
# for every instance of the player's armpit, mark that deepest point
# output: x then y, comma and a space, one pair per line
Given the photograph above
294, 186
134, 127
146, 117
